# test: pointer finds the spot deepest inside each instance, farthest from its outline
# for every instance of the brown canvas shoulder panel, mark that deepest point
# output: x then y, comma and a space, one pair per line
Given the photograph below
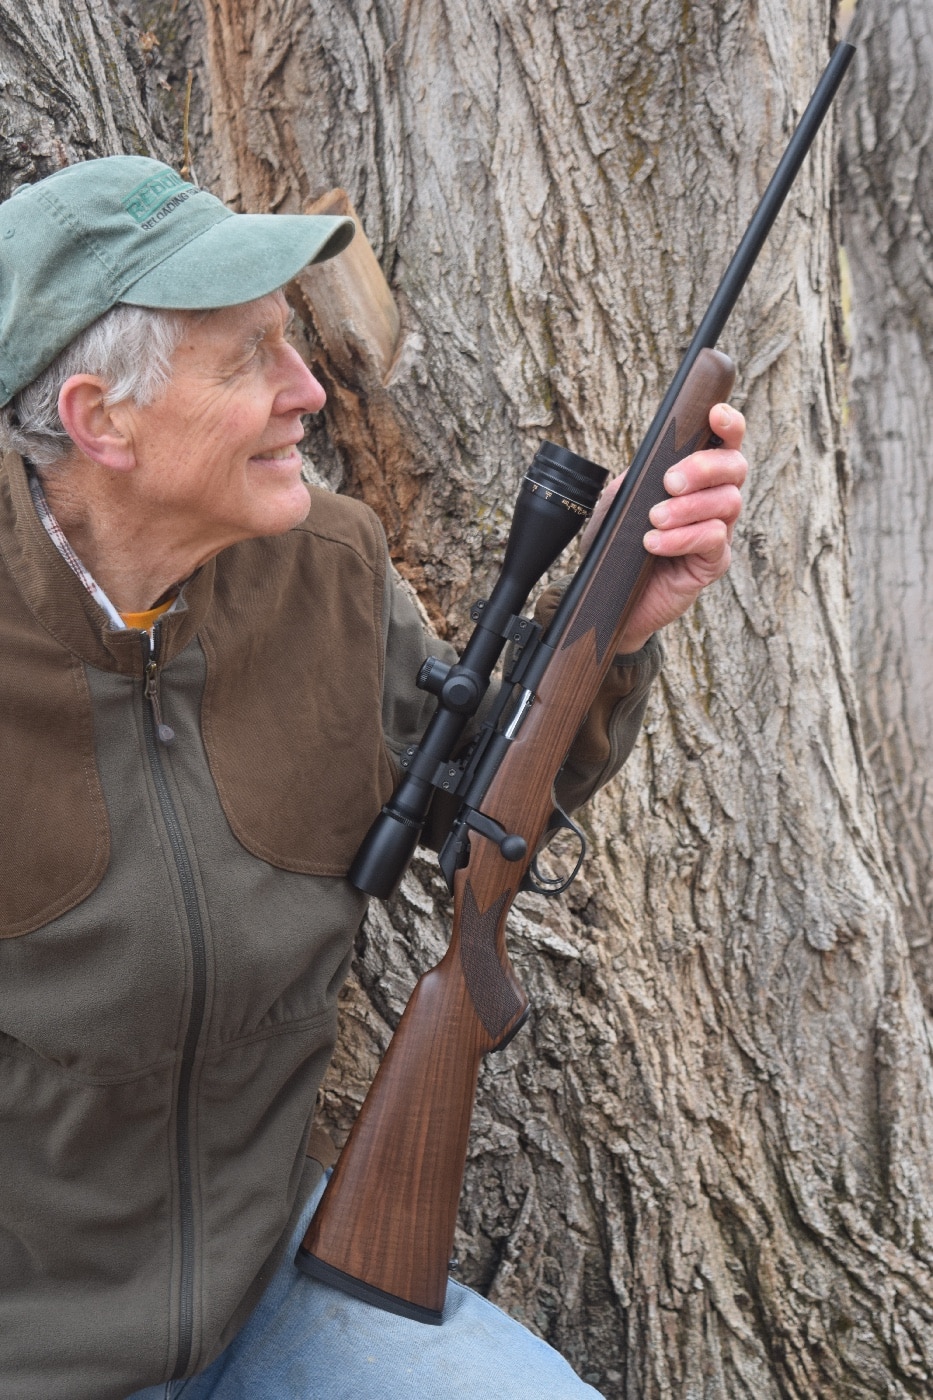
54, 834
301, 768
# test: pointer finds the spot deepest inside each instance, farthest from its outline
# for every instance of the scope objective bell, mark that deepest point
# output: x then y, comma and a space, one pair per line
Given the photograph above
575, 479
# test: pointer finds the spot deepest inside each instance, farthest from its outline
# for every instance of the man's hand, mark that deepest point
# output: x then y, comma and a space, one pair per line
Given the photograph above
692, 533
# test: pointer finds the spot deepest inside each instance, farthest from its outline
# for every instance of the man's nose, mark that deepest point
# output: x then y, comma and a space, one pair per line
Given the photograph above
301, 393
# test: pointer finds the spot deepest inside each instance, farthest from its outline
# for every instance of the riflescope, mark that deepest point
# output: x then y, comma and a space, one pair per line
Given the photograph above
557, 496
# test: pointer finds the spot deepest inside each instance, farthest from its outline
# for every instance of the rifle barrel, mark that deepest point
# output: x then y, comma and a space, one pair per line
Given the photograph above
745, 255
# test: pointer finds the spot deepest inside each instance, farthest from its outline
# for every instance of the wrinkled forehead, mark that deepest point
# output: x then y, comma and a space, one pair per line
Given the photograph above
238, 329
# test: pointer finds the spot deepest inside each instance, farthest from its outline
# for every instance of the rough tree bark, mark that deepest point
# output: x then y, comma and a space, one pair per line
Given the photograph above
887, 194
76, 81
703, 1169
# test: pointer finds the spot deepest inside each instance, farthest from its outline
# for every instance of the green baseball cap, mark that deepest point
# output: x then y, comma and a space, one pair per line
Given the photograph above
130, 229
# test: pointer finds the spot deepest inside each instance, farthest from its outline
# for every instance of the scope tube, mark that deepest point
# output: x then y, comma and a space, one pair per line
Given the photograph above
557, 496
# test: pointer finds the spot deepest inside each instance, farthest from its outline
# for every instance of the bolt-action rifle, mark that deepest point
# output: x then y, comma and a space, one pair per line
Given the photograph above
384, 1229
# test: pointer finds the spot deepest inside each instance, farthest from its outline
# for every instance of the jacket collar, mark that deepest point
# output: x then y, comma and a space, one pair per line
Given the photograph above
62, 605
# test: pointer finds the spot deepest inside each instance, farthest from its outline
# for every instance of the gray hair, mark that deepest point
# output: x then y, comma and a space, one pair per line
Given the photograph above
130, 347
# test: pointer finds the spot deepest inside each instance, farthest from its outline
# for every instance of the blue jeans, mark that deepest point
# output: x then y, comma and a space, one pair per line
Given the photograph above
306, 1341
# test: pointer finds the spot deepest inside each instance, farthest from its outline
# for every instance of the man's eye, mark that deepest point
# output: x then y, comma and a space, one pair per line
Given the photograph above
248, 358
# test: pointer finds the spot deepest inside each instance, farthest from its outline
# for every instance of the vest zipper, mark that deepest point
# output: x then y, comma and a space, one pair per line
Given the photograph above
151, 690
152, 728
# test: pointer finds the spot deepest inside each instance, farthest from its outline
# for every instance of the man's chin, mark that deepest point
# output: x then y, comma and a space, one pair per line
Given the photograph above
305, 510
292, 511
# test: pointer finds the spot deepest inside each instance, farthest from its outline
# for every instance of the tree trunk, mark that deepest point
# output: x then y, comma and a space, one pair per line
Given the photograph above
703, 1168
887, 193
77, 81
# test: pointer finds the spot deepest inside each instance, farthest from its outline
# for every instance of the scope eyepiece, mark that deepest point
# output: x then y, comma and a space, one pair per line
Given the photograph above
574, 479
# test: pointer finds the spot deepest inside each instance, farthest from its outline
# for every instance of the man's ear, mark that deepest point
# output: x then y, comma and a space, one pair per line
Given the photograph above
98, 430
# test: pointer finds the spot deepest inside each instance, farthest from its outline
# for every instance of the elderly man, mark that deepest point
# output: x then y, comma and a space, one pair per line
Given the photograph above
207, 669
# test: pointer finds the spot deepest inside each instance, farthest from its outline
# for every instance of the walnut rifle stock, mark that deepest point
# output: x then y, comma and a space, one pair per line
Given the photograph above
385, 1227
402, 1167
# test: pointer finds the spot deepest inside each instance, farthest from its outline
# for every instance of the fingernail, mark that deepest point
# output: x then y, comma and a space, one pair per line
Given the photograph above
659, 514
725, 416
674, 483
652, 540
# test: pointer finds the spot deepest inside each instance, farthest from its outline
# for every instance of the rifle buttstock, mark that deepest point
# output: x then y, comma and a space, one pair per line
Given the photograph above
384, 1229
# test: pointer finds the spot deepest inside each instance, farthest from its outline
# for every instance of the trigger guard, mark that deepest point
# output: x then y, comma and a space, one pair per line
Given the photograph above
552, 886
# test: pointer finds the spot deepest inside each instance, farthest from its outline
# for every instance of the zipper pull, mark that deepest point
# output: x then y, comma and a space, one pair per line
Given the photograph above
151, 691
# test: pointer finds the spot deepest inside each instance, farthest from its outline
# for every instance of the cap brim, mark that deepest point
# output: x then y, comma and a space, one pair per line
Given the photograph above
238, 259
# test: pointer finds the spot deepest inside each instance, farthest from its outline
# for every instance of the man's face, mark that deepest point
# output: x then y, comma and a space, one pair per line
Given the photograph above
216, 456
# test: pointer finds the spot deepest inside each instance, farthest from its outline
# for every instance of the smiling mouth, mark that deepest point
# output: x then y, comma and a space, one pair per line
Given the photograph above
275, 454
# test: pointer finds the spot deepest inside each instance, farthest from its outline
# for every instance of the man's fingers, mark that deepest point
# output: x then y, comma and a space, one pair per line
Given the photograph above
717, 502
717, 466
708, 538
712, 476
728, 423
